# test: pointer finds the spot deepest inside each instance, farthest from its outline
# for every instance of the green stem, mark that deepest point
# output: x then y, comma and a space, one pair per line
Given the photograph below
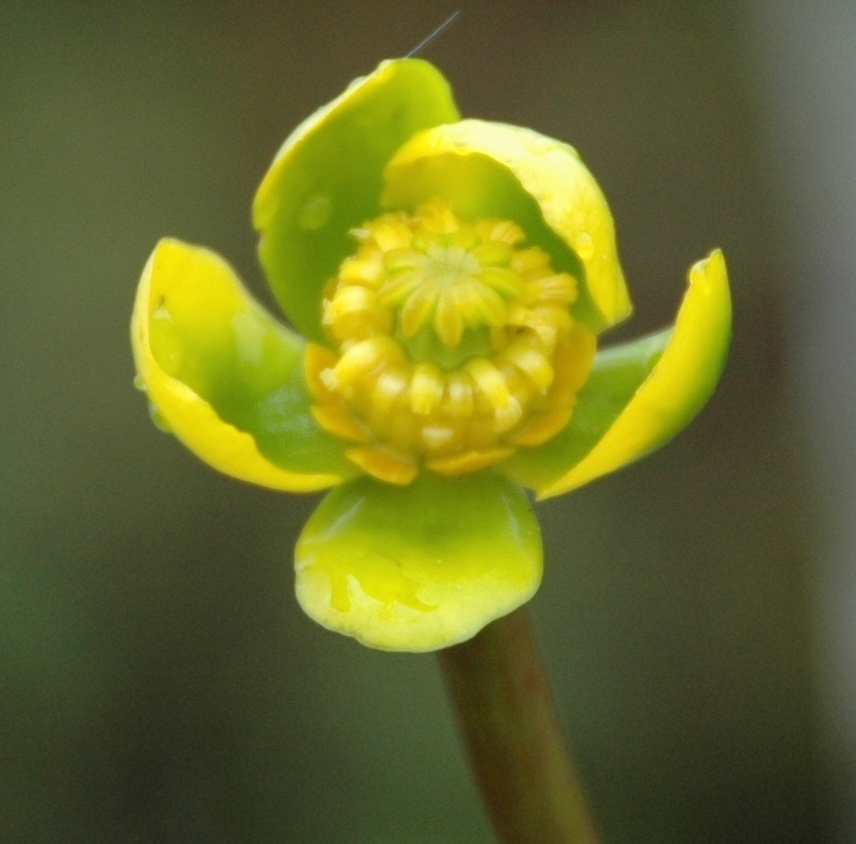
509, 723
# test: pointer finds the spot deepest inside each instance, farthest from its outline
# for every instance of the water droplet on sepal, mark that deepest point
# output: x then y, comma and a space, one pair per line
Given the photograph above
157, 419
316, 212
584, 245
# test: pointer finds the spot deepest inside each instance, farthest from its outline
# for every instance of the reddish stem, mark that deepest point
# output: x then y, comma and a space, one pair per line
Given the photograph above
511, 729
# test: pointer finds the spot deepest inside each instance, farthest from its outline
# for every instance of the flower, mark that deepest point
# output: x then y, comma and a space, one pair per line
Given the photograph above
449, 278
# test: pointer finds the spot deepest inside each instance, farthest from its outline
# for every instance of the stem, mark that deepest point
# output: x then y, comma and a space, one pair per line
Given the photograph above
509, 723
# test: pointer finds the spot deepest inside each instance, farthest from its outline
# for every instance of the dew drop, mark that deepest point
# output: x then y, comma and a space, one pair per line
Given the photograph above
159, 422
584, 245
161, 313
316, 212
139, 384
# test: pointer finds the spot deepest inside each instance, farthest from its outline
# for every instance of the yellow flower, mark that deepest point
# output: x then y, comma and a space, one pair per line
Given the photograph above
450, 279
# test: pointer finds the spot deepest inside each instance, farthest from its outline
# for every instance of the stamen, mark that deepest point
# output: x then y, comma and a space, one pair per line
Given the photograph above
500, 230
531, 362
560, 288
508, 415
361, 359
437, 437
426, 388
527, 260
352, 301
453, 344
459, 395
489, 381
361, 269
388, 387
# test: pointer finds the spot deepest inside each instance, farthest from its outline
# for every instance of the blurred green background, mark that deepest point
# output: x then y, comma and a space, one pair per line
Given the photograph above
158, 682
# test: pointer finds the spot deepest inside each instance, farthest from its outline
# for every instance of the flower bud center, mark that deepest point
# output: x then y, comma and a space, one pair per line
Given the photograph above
452, 344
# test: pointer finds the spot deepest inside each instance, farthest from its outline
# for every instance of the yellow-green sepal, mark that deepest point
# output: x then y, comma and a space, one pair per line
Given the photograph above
421, 567
225, 377
327, 178
494, 170
640, 394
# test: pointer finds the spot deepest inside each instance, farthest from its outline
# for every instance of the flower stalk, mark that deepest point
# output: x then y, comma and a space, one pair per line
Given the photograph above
508, 721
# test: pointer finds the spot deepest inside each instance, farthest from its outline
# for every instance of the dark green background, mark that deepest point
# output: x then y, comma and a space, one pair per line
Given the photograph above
158, 682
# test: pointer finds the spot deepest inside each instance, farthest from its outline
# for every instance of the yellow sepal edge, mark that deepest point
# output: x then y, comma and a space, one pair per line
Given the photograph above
677, 388
188, 416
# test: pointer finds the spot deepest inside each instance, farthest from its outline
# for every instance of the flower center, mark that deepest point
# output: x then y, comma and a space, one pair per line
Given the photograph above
453, 344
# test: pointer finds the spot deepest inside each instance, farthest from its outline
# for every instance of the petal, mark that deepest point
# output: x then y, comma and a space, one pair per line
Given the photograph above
327, 177
420, 567
640, 394
225, 377
491, 169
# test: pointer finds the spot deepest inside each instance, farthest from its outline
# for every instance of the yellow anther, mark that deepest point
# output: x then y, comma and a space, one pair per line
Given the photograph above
363, 358
426, 388
508, 416
362, 269
501, 230
316, 360
531, 362
349, 300
545, 322
458, 399
354, 314
438, 437
329, 381
559, 288
389, 385
391, 232
490, 382
532, 259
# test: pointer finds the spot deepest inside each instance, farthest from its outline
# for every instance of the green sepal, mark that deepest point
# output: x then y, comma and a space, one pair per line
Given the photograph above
641, 394
225, 376
487, 169
327, 178
616, 375
421, 567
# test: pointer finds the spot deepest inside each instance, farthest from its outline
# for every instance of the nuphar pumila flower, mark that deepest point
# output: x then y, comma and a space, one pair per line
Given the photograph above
450, 279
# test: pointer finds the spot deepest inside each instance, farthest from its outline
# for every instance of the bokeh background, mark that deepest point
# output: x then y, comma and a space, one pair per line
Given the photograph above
698, 616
